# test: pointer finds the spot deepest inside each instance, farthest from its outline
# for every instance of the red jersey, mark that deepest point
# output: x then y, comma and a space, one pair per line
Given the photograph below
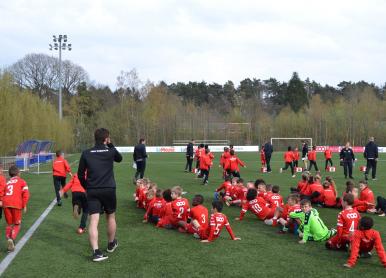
16, 194
224, 158
205, 162
233, 163
74, 185
155, 207
217, 223
329, 197
211, 157
60, 167
240, 192
367, 195
275, 200
288, 157
262, 157
302, 185
287, 209
316, 187
364, 241
197, 154
224, 186
312, 155
328, 154
296, 155
348, 221
257, 206
3, 183
180, 208
141, 197
200, 213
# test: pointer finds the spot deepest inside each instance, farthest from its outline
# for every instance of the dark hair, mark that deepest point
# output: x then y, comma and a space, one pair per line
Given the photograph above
228, 178
158, 193
231, 146
58, 153
240, 180
349, 186
366, 223
311, 179
100, 135
275, 189
207, 151
289, 148
141, 140
259, 181
206, 146
197, 200
232, 152
349, 199
314, 147
13, 171
201, 145
167, 195
251, 194
363, 182
218, 205
305, 202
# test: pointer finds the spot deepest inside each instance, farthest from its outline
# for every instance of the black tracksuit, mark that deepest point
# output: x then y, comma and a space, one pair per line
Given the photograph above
139, 157
347, 155
189, 157
371, 155
268, 150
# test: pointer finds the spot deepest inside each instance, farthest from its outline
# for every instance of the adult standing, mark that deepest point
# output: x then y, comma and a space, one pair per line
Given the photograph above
189, 156
371, 155
96, 175
305, 154
140, 157
347, 157
268, 150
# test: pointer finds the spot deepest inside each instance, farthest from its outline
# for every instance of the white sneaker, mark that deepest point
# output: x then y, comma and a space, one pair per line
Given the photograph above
281, 170
268, 222
294, 176
10, 245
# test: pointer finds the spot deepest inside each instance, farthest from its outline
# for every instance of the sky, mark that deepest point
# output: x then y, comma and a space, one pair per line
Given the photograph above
204, 40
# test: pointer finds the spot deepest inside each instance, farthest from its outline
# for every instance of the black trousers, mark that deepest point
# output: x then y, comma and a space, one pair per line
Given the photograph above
198, 164
371, 164
347, 167
59, 182
289, 164
205, 175
268, 161
313, 163
381, 204
296, 163
327, 162
189, 162
80, 199
234, 174
141, 166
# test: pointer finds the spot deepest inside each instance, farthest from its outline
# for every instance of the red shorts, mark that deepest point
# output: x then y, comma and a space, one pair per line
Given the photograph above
337, 242
12, 216
270, 214
192, 230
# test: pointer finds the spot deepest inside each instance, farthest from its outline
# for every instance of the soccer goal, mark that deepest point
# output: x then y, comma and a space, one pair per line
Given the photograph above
281, 144
34, 164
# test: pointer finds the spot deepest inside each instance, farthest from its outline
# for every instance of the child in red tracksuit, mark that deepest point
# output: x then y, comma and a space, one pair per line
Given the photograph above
232, 165
366, 195
205, 164
312, 159
262, 157
79, 201
363, 241
60, 169
15, 199
288, 160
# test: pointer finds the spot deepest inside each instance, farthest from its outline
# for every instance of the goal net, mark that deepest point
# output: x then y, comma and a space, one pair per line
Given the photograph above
34, 163
282, 144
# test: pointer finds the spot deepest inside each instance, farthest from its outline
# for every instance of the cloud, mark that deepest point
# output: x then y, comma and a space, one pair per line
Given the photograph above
215, 41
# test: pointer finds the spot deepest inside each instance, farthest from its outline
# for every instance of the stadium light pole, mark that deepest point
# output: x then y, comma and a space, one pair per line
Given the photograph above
60, 43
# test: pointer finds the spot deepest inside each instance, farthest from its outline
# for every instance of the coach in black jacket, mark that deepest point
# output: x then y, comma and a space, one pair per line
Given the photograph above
371, 155
96, 175
189, 156
347, 157
139, 157
268, 150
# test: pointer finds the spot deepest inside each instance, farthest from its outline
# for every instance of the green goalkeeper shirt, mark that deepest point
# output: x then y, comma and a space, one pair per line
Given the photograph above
313, 226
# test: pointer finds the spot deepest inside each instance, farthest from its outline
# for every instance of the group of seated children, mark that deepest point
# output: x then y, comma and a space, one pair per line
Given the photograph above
300, 217
168, 209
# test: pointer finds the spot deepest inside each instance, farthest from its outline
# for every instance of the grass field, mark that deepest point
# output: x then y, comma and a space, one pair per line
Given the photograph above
55, 250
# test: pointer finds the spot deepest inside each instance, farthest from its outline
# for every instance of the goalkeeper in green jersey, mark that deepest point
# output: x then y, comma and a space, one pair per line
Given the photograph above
312, 227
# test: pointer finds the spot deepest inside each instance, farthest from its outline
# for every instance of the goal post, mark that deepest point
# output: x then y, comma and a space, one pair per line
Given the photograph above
282, 143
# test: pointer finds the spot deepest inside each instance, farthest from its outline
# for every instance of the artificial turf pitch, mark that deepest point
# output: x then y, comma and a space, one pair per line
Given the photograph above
55, 250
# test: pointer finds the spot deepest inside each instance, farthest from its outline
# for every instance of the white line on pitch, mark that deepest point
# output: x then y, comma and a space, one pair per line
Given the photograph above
9, 258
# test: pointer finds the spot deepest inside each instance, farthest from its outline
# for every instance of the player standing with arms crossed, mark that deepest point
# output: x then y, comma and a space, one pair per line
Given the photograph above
100, 186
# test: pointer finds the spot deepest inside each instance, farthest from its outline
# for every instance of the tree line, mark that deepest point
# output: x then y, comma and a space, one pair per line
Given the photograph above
246, 113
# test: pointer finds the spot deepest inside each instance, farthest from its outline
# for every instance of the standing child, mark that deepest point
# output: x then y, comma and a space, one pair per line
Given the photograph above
363, 241
262, 157
3, 183
60, 169
328, 156
223, 160
296, 157
79, 201
232, 165
312, 159
217, 223
205, 163
15, 199
288, 160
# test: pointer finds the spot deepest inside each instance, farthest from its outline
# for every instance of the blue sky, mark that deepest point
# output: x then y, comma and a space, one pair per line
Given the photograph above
215, 41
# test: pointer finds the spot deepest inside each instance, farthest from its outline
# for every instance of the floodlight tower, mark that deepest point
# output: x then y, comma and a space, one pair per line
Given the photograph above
60, 43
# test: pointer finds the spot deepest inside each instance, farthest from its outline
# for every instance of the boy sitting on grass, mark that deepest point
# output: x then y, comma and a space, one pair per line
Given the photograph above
257, 205
198, 218
155, 208
363, 241
313, 228
217, 223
